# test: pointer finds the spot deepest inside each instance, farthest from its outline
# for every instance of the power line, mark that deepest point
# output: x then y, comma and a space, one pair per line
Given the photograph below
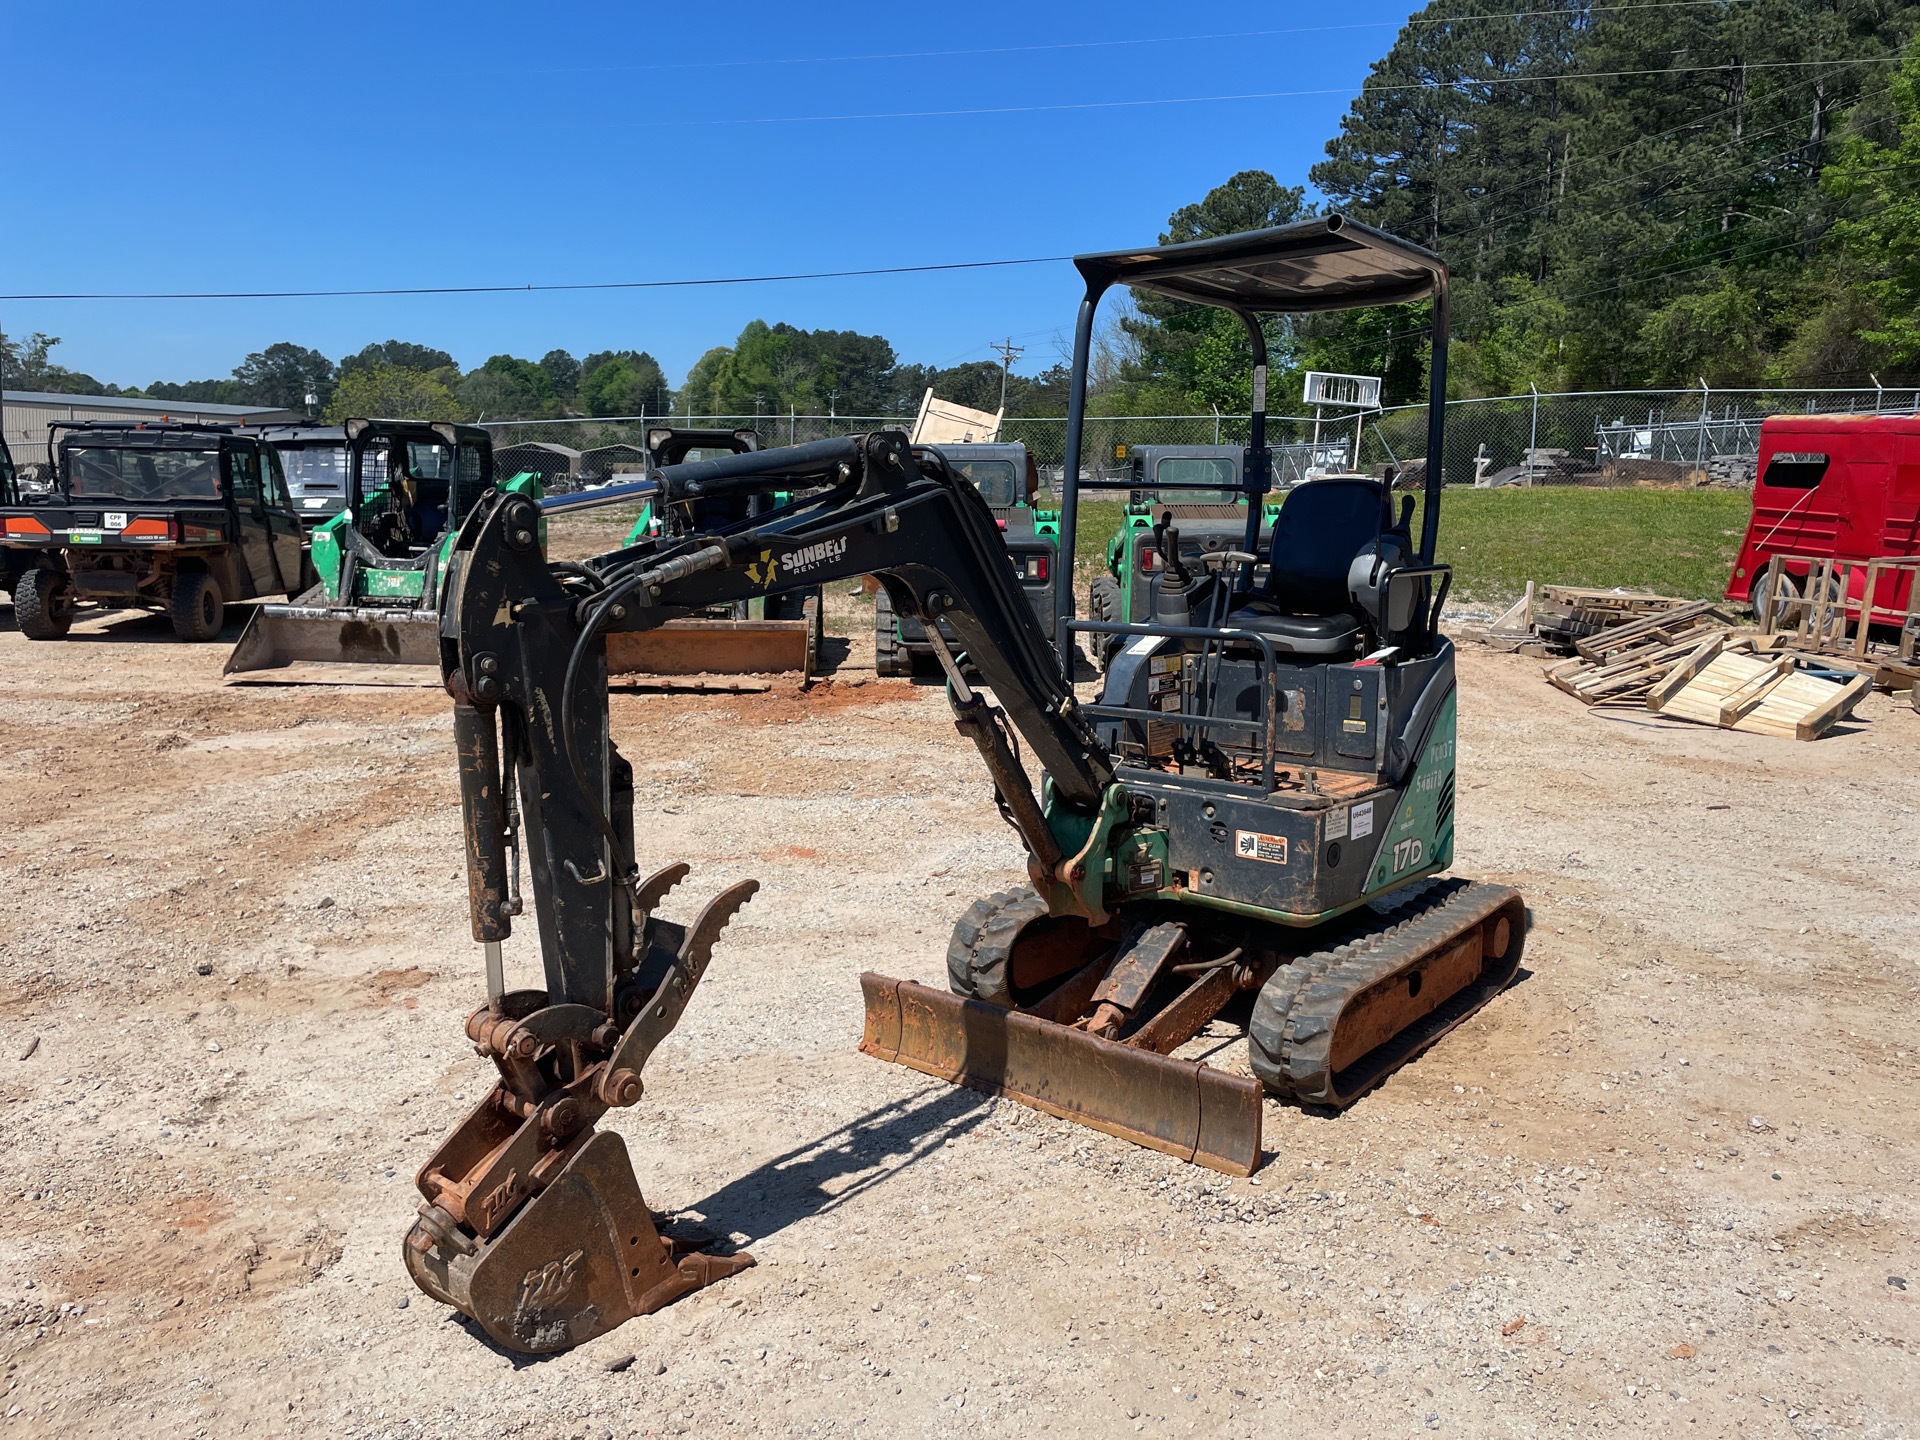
788, 60
540, 289
1159, 101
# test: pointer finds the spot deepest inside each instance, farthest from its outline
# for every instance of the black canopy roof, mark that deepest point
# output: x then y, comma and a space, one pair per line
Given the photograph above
1327, 263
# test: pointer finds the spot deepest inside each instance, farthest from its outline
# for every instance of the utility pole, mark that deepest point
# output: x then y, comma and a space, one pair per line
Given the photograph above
1009, 352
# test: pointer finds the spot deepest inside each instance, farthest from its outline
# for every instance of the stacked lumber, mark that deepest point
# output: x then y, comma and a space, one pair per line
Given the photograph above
1623, 664
1564, 615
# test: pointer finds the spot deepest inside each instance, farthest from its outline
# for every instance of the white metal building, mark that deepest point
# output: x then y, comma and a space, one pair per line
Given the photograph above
29, 412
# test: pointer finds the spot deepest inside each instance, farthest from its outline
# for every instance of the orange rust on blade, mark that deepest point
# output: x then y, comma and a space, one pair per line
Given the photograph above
1383, 1010
698, 647
1179, 1107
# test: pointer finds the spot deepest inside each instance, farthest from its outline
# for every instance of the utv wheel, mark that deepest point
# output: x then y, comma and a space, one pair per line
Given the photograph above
42, 604
1103, 604
890, 659
198, 608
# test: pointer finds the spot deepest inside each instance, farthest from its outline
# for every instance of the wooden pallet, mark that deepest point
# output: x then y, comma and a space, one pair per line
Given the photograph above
1665, 626
1763, 695
1627, 675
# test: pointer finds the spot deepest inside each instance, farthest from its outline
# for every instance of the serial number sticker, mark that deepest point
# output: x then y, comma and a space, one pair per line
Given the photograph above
116, 520
1360, 820
1252, 845
1337, 824
1146, 879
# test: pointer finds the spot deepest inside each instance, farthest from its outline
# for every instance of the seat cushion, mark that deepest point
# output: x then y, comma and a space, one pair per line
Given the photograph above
1298, 634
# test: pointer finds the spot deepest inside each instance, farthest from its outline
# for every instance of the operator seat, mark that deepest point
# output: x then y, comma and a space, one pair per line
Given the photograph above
1306, 608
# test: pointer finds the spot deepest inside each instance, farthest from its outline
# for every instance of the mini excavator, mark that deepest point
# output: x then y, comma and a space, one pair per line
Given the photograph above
1257, 807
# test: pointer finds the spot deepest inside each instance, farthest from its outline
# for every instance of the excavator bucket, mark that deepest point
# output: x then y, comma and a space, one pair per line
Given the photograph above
580, 1258
1181, 1107
315, 644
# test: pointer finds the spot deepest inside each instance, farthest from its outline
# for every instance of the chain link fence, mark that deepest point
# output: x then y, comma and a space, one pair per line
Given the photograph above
1622, 437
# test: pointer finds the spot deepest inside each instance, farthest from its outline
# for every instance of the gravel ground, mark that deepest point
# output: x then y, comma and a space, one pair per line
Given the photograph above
1664, 1185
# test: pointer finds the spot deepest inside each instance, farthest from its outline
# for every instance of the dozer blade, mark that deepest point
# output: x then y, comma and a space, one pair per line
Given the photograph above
713, 647
579, 1259
295, 644
1181, 1107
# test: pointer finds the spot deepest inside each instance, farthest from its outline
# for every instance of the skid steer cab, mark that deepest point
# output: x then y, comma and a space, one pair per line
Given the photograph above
1008, 479
771, 634
377, 566
175, 519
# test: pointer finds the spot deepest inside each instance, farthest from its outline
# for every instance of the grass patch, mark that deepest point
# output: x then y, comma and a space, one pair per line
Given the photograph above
1673, 542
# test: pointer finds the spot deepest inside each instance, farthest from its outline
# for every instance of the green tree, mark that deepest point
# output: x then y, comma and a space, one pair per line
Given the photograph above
623, 382
25, 365
1877, 179
399, 355
1190, 357
508, 388
283, 375
563, 371
393, 392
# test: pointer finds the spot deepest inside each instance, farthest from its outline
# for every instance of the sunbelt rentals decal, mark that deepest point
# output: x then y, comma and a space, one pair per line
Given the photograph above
769, 567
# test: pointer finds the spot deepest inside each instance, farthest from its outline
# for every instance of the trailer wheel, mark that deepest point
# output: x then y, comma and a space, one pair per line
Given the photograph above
198, 608
42, 604
1784, 603
889, 660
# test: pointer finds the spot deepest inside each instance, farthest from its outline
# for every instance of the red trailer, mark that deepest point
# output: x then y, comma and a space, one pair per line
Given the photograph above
1842, 487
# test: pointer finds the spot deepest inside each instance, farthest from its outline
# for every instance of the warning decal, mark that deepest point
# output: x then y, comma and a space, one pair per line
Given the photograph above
1252, 845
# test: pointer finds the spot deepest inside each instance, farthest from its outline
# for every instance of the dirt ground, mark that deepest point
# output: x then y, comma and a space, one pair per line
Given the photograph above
1662, 1186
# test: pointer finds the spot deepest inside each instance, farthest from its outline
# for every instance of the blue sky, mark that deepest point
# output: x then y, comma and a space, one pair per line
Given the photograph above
222, 146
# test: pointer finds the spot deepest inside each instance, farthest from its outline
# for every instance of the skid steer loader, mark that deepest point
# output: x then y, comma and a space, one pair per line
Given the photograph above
380, 561
1258, 805
767, 635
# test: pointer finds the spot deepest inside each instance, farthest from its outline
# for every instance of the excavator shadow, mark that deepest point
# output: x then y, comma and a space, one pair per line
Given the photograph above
813, 1178
823, 1174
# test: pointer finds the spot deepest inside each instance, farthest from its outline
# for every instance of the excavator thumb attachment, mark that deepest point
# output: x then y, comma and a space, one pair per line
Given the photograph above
297, 644
532, 1223
579, 1260
1181, 1107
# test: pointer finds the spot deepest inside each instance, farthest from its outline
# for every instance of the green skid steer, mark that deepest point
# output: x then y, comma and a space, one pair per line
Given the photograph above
380, 561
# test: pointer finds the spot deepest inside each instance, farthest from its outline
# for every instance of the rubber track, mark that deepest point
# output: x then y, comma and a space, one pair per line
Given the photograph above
1290, 1036
983, 940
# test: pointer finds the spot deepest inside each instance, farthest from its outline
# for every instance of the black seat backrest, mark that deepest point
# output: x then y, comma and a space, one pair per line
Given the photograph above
1322, 525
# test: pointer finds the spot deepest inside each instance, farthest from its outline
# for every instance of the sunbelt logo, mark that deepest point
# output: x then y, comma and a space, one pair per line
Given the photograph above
809, 556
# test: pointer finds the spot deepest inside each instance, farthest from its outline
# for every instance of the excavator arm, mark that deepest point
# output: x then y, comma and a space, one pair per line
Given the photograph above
531, 1221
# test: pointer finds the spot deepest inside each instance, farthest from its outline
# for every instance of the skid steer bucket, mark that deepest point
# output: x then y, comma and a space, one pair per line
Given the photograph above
1181, 1107
296, 644
713, 647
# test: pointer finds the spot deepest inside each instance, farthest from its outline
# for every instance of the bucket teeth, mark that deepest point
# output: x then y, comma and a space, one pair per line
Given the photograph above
647, 898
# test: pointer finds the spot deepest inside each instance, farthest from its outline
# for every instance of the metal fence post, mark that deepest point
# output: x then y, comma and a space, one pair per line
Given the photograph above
1700, 446
1533, 431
